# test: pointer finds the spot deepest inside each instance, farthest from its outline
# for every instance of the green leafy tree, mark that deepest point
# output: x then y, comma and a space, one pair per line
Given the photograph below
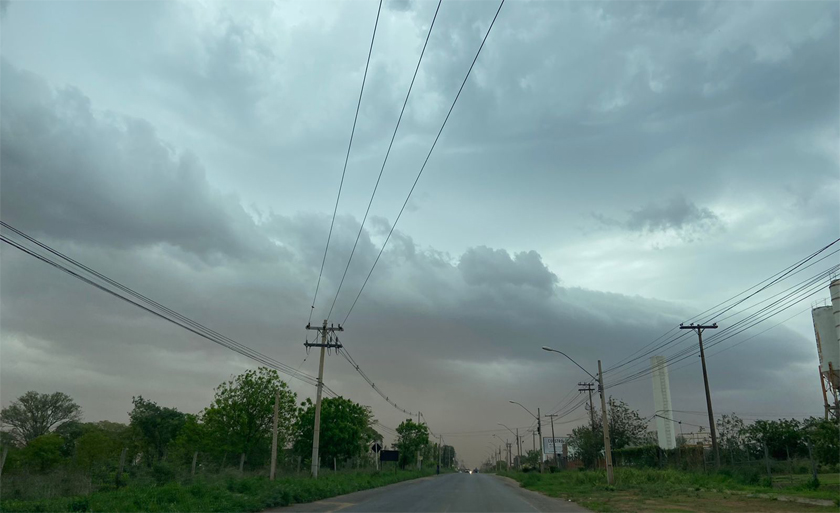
730, 431
447, 458
627, 429
44, 452
240, 418
157, 427
782, 437
101, 443
411, 438
825, 439
345, 430
194, 437
33, 415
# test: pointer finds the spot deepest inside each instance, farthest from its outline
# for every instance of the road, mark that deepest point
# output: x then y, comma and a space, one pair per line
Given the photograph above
448, 492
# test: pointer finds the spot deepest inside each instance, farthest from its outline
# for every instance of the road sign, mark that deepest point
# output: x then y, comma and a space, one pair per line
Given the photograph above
550, 445
389, 455
375, 447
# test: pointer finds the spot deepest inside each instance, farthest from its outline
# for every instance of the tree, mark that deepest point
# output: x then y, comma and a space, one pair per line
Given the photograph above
34, 414
782, 436
730, 431
411, 438
627, 428
101, 443
240, 418
447, 457
44, 452
345, 432
825, 439
157, 426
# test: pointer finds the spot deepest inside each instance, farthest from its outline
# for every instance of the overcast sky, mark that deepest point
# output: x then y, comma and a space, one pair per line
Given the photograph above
610, 170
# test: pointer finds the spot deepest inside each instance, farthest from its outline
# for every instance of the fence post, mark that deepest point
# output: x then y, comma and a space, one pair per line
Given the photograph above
195, 458
242, 463
767, 464
813, 463
3, 459
335, 466
298, 470
122, 463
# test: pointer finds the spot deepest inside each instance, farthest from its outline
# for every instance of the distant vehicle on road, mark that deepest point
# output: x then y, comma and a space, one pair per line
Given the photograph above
475, 471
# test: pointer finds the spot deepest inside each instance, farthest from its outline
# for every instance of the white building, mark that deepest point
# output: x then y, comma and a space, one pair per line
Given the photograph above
662, 403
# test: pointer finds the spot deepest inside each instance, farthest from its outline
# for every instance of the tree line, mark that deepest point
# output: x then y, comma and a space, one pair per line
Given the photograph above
43, 431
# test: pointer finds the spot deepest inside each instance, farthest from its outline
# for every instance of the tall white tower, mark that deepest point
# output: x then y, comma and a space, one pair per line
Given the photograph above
662, 403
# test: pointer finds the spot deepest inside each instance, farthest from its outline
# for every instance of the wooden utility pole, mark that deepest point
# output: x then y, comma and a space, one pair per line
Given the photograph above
699, 328
195, 460
274, 437
122, 464
587, 387
324, 331
539, 431
605, 421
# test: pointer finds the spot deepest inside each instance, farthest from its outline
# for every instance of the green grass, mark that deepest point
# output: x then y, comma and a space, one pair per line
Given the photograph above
226, 494
656, 490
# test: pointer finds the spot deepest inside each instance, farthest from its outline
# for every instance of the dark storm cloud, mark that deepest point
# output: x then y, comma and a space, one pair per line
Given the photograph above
108, 179
484, 266
678, 214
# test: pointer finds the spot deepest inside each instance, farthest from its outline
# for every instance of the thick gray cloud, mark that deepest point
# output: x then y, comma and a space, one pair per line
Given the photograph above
195, 157
677, 215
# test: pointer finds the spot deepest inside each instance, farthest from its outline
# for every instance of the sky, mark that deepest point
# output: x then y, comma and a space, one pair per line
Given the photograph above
609, 170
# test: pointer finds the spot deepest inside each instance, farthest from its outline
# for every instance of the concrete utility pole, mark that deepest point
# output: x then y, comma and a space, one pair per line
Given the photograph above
587, 387
324, 345
605, 421
539, 431
699, 328
553, 439
518, 449
273, 438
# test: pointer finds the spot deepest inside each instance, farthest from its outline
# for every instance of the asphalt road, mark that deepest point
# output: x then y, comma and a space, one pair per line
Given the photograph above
448, 492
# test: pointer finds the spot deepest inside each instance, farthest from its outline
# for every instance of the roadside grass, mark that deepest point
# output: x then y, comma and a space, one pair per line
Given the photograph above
674, 490
211, 493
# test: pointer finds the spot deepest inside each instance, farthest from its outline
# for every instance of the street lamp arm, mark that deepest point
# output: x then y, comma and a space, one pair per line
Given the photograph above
509, 429
526, 409
546, 348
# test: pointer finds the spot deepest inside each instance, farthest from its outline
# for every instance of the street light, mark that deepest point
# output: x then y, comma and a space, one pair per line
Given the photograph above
539, 428
518, 444
604, 421
546, 348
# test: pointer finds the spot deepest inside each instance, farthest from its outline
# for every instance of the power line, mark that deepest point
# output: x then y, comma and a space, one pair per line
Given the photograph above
425, 162
774, 278
346, 355
385, 160
346, 159
149, 305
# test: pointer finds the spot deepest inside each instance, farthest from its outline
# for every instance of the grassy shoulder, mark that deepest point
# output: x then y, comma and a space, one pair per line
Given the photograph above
218, 493
672, 490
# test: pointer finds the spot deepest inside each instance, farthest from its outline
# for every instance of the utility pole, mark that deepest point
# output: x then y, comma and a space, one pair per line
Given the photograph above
605, 421
539, 431
324, 345
518, 449
553, 439
587, 387
273, 438
699, 328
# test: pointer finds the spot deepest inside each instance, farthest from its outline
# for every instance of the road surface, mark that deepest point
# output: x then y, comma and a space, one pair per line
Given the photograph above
448, 492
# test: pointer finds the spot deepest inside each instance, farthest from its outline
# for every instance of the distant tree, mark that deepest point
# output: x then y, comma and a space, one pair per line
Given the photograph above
33, 414
411, 438
447, 456
156, 426
101, 443
782, 436
627, 429
239, 419
43, 453
730, 431
345, 430
825, 439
